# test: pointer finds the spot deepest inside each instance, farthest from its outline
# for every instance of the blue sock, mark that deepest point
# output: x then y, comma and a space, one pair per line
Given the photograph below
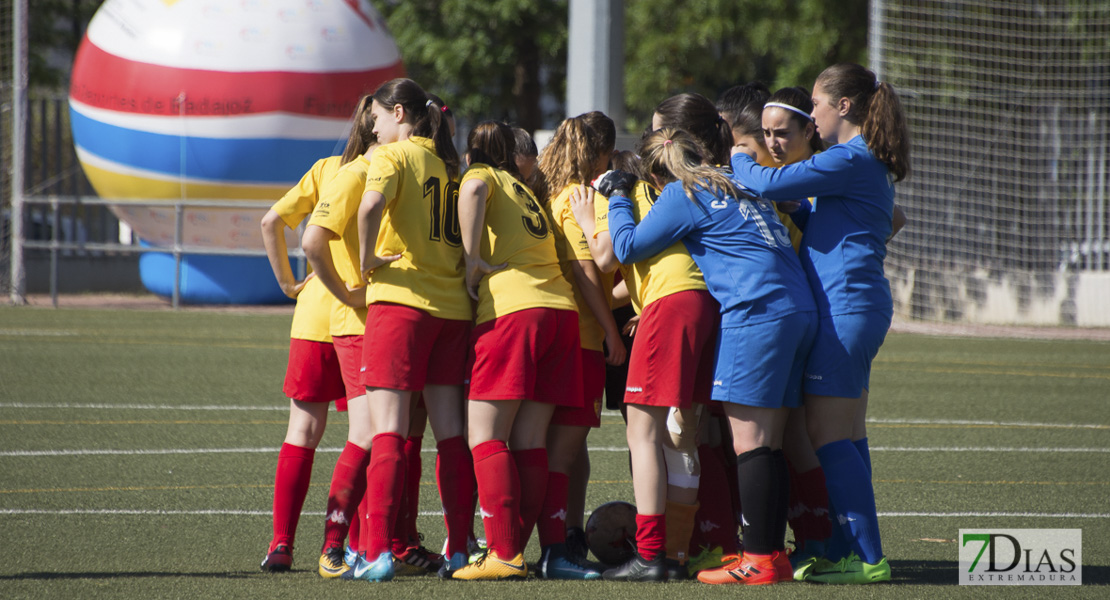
850, 492
864, 452
837, 546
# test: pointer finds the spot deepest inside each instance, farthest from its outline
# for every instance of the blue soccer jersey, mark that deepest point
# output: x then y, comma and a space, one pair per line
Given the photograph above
844, 243
740, 246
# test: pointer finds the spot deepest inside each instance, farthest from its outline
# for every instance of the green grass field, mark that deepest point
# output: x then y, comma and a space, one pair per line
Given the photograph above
103, 492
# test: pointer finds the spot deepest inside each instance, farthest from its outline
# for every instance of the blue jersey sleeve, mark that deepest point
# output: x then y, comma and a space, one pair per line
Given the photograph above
827, 173
667, 222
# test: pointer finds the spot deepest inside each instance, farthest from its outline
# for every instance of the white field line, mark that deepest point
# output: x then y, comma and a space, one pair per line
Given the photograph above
274, 450
604, 413
267, 513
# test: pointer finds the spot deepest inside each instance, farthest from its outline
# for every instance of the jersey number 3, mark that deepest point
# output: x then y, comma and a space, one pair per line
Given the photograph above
535, 224
444, 206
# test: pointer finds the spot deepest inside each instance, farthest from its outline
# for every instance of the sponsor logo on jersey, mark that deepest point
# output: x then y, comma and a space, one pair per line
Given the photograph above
634, 390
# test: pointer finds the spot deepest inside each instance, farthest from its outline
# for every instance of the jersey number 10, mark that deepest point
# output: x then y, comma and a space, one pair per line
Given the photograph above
444, 206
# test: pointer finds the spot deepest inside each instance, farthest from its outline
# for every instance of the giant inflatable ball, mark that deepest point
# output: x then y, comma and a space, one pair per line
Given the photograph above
218, 99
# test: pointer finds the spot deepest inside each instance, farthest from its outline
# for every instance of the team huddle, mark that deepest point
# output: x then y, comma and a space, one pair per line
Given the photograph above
483, 295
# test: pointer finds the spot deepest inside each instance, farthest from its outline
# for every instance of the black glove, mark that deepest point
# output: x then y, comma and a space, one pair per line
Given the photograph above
614, 183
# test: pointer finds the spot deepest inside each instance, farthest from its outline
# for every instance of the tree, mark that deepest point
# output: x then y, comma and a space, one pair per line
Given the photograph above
487, 58
711, 45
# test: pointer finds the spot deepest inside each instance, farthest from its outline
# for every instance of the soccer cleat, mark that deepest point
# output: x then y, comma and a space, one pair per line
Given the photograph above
380, 569
279, 560
349, 556
576, 544
331, 563
851, 570
422, 559
457, 561
784, 571
675, 570
709, 558
556, 562
492, 567
750, 569
638, 569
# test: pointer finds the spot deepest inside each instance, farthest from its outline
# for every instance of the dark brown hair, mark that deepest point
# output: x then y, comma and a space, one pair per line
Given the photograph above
697, 115
738, 97
427, 119
877, 111
493, 143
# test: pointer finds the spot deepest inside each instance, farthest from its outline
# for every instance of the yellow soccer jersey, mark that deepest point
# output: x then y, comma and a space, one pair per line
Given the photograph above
666, 273
421, 223
337, 212
312, 315
570, 244
517, 233
795, 233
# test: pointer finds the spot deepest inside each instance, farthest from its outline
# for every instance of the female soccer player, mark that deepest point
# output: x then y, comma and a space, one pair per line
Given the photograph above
312, 377
411, 256
669, 380
713, 520
790, 136
767, 323
315, 371
579, 150
525, 350
861, 119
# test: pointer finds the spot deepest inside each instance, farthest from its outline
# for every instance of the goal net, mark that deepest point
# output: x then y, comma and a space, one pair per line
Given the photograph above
1007, 103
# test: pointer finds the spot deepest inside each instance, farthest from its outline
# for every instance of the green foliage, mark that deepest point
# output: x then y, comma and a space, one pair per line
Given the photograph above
711, 45
487, 58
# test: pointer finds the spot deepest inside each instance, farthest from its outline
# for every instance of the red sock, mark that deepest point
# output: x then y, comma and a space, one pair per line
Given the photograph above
531, 468
354, 539
651, 535
455, 478
294, 471
552, 524
812, 493
499, 496
385, 478
714, 525
404, 527
348, 484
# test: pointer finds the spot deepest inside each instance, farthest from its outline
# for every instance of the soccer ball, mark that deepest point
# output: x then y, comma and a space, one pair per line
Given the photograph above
611, 532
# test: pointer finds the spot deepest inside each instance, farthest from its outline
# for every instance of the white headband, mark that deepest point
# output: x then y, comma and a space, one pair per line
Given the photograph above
788, 107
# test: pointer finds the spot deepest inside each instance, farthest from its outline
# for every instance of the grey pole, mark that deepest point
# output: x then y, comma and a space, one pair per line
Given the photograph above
19, 132
595, 58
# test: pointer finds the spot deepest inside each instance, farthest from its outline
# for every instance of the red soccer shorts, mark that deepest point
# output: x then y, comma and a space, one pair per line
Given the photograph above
593, 390
530, 354
313, 373
349, 349
407, 348
672, 359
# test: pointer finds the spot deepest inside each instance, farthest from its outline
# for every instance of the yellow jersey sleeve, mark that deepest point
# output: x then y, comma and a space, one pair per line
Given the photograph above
517, 233
336, 212
421, 223
312, 314
571, 245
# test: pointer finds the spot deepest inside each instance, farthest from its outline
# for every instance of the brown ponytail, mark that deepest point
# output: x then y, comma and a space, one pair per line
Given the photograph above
362, 131
673, 154
426, 117
877, 111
